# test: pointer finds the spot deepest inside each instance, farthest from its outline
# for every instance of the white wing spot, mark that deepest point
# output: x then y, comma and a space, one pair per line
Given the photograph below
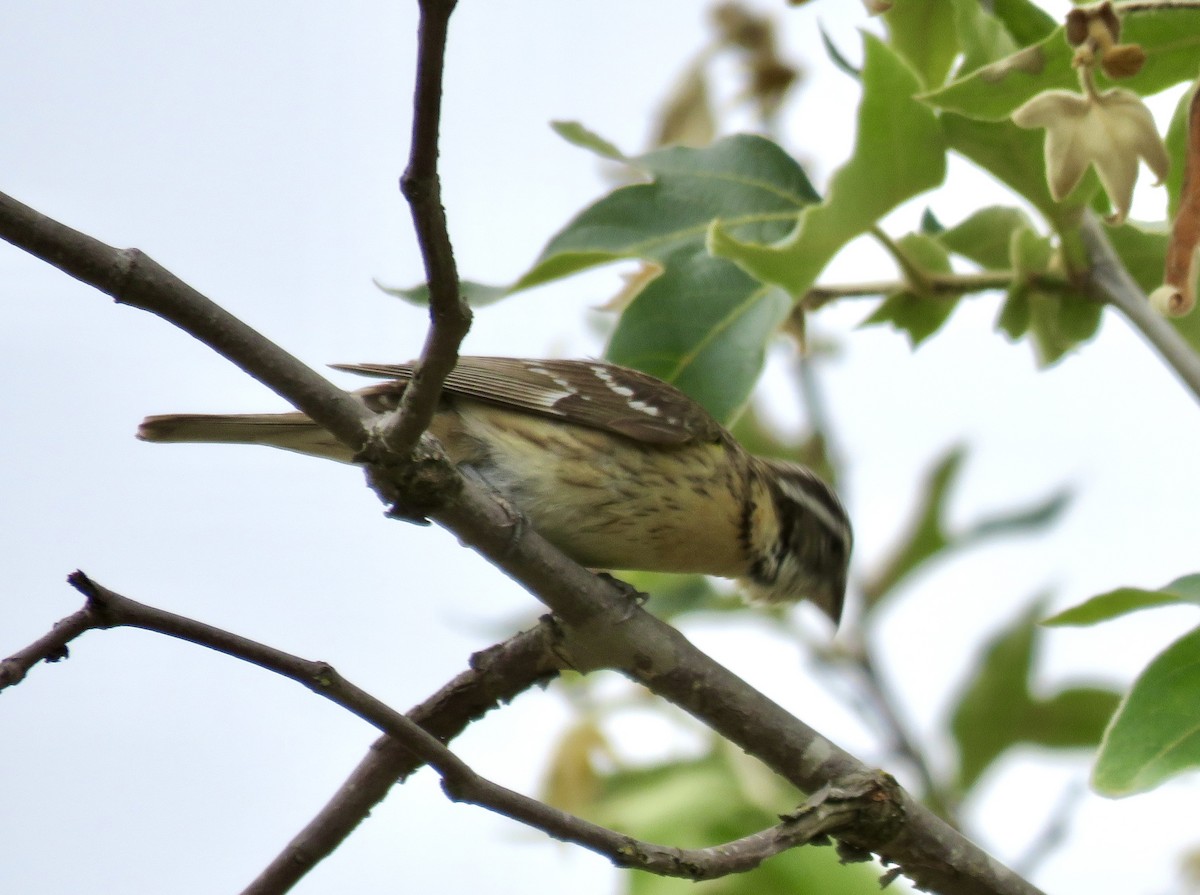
603, 374
648, 409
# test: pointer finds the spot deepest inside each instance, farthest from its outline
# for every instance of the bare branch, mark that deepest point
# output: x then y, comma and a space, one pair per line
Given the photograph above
449, 314
496, 675
829, 811
1054, 830
887, 710
852, 805
51, 647
135, 279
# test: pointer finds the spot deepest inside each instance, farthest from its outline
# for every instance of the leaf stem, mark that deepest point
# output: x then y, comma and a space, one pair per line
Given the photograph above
936, 285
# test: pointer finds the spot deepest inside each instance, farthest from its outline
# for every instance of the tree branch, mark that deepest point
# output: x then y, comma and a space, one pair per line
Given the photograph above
1111, 283
449, 314
852, 805
51, 647
497, 675
133, 278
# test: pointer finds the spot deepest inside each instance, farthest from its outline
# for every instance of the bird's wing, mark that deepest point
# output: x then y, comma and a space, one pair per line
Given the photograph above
587, 393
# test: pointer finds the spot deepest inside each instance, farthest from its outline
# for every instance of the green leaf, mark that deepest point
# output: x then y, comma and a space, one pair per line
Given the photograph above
926, 536
675, 595
1143, 249
1015, 314
477, 294
997, 710
917, 315
991, 92
1170, 38
1060, 323
1020, 521
702, 324
1029, 252
1155, 734
1071, 719
1125, 600
1026, 21
929, 535
836, 56
993, 706
898, 154
981, 35
922, 33
1056, 321
578, 135
930, 225
985, 237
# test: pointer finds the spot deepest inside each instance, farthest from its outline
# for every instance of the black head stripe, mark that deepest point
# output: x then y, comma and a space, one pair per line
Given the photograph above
803, 488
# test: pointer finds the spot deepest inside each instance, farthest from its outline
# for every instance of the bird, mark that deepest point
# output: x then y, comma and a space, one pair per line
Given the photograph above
616, 468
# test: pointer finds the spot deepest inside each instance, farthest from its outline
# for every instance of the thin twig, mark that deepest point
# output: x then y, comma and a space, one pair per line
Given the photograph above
903, 742
1054, 830
51, 647
497, 675
449, 314
936, 285
135, 279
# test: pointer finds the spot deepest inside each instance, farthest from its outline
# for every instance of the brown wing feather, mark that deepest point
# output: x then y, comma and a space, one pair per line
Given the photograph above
588, 393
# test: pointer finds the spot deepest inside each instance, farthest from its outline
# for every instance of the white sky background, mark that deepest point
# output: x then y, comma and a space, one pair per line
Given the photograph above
255, 154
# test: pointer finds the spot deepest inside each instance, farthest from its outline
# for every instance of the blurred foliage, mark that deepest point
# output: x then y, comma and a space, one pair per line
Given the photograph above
929, 536
698, 802
998, 710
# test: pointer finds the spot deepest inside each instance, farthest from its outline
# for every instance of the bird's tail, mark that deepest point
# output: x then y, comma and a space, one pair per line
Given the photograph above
289, 431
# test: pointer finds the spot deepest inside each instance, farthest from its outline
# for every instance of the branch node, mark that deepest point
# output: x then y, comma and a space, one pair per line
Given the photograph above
415, 486
869, 806
98, 603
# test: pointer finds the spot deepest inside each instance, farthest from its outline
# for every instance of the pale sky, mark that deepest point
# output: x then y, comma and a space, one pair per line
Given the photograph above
256, 156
